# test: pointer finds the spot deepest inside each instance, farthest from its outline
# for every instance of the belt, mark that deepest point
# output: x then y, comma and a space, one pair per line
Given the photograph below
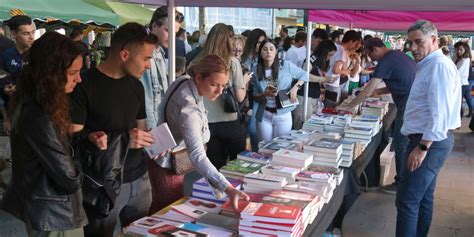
271, 110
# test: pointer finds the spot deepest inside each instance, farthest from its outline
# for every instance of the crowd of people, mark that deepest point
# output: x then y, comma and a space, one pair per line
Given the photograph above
73, 125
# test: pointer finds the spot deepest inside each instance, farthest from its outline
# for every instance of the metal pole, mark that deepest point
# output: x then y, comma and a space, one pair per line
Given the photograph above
308, 54
172, 40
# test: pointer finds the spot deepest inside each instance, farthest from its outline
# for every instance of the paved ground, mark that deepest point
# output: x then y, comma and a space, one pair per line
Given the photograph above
374, 213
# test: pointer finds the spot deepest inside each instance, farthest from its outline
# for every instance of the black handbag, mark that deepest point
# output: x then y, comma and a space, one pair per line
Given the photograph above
230, 103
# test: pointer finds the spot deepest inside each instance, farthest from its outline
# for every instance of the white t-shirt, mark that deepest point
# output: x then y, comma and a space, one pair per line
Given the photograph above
463, 66
271, 102
296, 55
340, 55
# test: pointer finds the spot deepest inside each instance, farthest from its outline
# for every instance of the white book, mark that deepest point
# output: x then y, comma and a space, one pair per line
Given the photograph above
192, 212
285, 156
163, 140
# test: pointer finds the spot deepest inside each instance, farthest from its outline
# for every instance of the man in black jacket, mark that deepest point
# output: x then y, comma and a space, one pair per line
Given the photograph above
111, 99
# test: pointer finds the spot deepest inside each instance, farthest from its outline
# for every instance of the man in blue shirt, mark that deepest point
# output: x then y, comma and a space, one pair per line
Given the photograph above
14, 58
431, 115
398, 71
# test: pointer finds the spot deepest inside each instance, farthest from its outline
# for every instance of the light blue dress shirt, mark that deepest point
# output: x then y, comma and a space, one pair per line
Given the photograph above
435, 99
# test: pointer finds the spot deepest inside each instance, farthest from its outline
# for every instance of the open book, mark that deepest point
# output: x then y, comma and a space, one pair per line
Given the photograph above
163, 140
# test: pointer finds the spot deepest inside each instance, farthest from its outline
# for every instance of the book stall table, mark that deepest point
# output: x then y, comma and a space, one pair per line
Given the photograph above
332, 213
348, 191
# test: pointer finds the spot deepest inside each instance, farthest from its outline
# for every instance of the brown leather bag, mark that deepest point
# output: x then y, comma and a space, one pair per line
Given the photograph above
180, 162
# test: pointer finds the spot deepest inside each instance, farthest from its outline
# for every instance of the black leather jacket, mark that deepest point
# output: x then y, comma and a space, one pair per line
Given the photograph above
45, 190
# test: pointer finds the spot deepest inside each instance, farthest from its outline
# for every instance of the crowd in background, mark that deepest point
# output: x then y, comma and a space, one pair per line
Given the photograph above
228, 89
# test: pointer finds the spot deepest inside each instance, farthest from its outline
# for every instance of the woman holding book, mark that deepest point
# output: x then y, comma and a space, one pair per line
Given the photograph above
272, 89
45, 190
183, 109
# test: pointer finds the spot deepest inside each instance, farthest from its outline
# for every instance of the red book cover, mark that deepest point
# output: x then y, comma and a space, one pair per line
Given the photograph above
271, 213
242, 203
161, 229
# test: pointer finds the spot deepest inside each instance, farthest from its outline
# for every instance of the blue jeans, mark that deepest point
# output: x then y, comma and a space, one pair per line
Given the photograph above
252, 128
415, 193
399, 144
132, 204
466, 94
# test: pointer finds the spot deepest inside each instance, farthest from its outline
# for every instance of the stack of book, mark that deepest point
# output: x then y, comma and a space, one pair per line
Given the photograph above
315, 176
367, 121
326, 153
334, 128
361, 134
323, 190
202, 190
293, 159
375, 108
338, 173
317, 122
314, 200
271, 147
262, 183
254, 157
302, 134
290, 139
342, 120
237, 169
279, 220
283, 171
347, 153
321, 135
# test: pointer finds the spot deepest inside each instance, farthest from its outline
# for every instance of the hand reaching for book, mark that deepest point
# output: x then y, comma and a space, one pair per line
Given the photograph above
234, 196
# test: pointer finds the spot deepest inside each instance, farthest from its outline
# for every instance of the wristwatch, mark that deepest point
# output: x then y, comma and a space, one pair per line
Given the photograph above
422, 147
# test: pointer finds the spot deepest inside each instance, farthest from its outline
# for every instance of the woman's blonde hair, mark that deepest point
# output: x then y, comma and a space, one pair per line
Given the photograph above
207, 65
219, 42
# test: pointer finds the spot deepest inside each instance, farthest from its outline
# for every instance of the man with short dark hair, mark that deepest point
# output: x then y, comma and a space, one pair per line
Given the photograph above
77, 35
13, 59
398, 71
109, 100
431, 115
297, 53
283, 33
336, 36
155, 82
181, 43
316, 38
339, 65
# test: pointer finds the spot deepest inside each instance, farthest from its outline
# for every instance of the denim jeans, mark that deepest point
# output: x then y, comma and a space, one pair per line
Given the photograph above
399, 144
132, 204
415, 194
466, 94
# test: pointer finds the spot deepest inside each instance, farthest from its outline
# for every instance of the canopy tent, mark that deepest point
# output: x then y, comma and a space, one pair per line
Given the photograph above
366, 5
66, 11
399, 5
127, 12
393, 20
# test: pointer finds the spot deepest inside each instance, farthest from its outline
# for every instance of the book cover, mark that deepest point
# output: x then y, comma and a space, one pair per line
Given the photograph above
314, 176
204, 205
278, 169
190, 211
163, 140
208, 230
182, 232
283, 154
254, 157
271, 213
219, 221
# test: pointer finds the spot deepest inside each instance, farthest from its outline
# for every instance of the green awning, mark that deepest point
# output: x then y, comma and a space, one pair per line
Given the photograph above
127, 12
64, 10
